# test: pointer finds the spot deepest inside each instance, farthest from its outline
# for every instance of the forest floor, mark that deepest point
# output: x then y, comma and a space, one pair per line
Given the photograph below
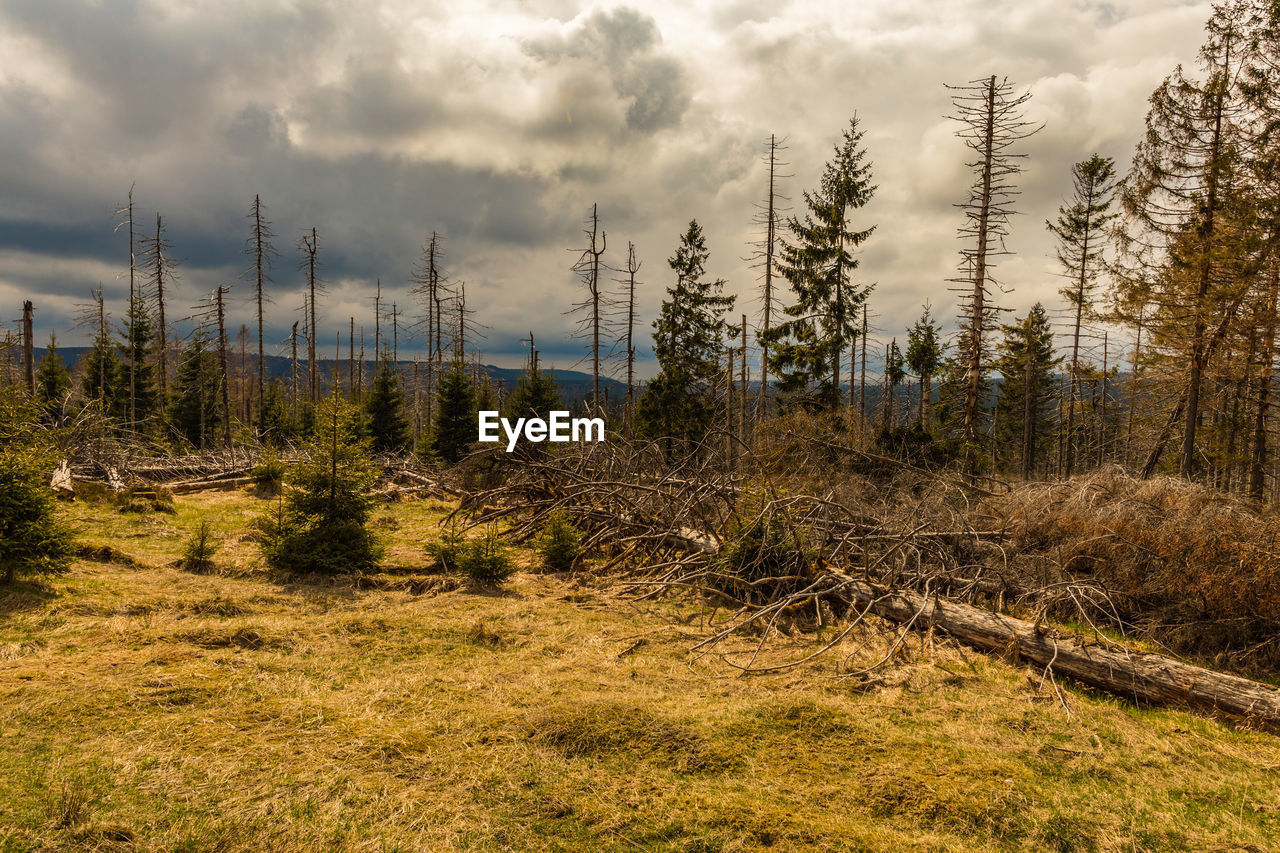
143, 707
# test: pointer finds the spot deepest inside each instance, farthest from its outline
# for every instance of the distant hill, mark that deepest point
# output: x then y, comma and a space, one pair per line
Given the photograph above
575, 385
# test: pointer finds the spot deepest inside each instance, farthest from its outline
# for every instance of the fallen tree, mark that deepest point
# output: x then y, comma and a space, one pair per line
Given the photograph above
1102, 663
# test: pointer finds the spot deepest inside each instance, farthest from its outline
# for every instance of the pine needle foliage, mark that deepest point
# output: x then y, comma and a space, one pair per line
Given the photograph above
560, 544
32, 539
322, 524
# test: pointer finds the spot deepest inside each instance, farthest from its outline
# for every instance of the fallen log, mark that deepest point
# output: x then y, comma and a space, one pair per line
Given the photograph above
202, 485
1134, 675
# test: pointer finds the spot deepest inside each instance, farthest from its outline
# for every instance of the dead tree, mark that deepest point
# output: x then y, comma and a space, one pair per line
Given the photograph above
161, 269
767, 217
293, 369
225, 396
127, 222
28, 347
633, 267
260, 249
430, 286
991, 118
595, 308
309, 245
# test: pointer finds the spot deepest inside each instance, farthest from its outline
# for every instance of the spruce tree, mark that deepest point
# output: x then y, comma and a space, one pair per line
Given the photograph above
1081, 229
32, 539
388, 427
455, 425
322, 523
194, 411
678, 403
102, 375
136, 352
52, 383
1025, 422
924, 357
805, 349
535, 396
275, 422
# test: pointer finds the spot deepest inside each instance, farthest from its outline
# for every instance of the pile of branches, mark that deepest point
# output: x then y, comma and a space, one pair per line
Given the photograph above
924, 551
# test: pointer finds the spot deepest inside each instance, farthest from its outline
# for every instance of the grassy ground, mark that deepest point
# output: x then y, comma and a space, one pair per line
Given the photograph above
143, 707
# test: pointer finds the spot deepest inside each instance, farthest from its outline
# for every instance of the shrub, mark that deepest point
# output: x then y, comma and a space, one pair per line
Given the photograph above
560, 544
486, 560
322, 525
444, 552
197, 554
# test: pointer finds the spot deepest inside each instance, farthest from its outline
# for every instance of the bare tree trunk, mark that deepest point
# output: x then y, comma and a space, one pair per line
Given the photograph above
222, 366
977, 308
28, 347
862, 382
742, 368
1257, 480
771, 229
1028, 410
1132, 386
1102, 418
313, 375
162, 329
633, 267
293, 399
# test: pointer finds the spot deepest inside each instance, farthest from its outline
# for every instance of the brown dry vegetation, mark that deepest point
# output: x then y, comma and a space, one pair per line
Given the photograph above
1185, 565
147, 708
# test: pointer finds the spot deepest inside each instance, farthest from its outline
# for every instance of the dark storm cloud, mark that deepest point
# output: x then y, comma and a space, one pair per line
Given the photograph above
499, 123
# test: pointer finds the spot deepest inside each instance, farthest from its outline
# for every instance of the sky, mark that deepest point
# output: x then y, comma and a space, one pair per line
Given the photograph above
498, 123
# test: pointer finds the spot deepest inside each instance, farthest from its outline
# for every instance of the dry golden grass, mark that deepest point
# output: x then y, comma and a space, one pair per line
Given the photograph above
146, 708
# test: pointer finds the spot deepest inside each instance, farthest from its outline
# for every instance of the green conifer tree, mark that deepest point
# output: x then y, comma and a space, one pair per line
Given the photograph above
194, 411
678, 403
535, 396
925, 351
805, 350
275, 421
1026, 413
53, 382
322, 524
32, 539
138, 401
387, 425
455, 425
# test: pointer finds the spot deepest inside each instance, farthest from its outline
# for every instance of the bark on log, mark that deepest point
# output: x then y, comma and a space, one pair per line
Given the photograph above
1134, 675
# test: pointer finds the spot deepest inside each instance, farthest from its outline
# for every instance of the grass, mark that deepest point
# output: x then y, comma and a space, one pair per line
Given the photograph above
147, 708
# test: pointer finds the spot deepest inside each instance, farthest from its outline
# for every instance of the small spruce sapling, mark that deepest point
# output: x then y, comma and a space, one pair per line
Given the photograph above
560, 544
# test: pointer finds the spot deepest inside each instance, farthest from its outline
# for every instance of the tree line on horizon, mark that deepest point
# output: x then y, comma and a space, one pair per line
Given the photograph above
1176, 257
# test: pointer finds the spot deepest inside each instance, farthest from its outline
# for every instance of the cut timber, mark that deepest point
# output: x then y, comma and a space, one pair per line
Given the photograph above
1145, 677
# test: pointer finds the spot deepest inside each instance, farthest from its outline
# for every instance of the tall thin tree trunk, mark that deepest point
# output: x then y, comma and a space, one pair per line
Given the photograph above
28, 347
1029, 394
222, 366
162, 330
771, 219
973, 373
1257, 479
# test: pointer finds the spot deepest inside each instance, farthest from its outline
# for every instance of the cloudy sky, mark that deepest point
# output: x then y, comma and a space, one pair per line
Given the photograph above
498, 123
